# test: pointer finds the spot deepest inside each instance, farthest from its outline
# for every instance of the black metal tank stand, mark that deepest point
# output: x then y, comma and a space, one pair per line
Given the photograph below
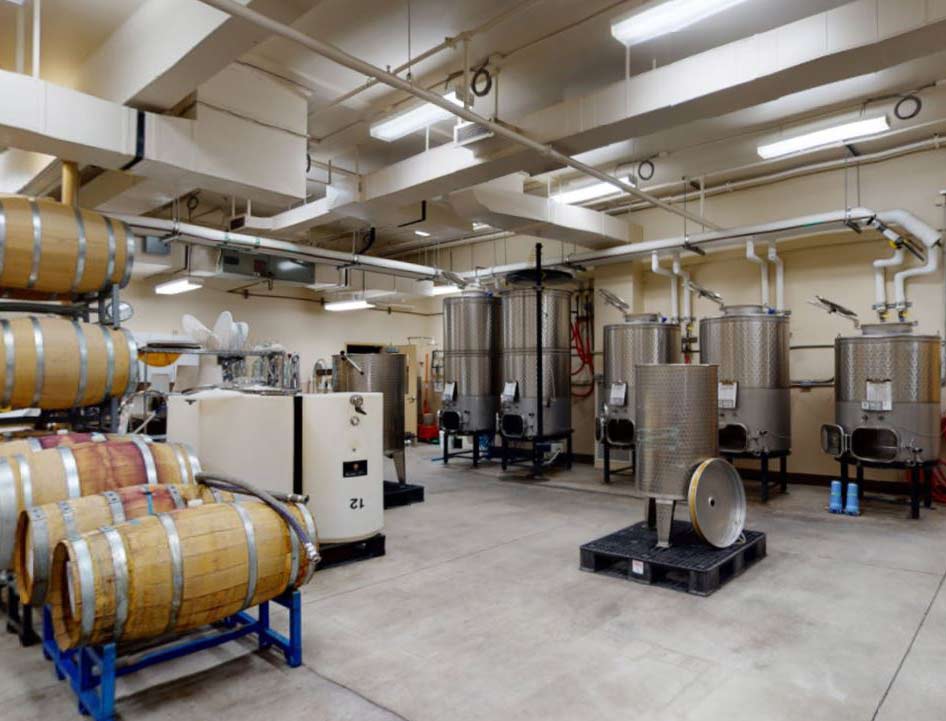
473, 453
763, 458
623, 470
531, 456
921, 479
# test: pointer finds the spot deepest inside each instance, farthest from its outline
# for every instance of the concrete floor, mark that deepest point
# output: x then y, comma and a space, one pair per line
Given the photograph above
479, 612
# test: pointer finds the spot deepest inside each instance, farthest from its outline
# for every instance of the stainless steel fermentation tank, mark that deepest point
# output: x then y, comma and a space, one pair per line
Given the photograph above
522, 395
471, 362
750, 344
640, 340
384, 373
677, 445
887, 396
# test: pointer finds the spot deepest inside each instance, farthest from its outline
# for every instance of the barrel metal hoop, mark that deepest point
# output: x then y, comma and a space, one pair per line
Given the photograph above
34, 445
216, 494
37, 244
26, 480
110, 265
86, 589
110, 361
83, 363
8, 513
9, 350
39, 526
151, 470
294, 555
80, 252
251, 571
309, 522
120, 563
115, 506
3, 235
40, 360
98, 437
129, 254
181, 463
177, 568
132, 362
68, 519
73, 488
194, 461
176, 496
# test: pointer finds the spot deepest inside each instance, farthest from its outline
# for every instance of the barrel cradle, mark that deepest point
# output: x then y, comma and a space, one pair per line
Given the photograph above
163, 575
40, 528
59, 474
52, 363
48, 248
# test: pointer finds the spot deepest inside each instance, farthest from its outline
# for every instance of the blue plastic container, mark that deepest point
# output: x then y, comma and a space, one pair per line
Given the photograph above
834, 501
853, 506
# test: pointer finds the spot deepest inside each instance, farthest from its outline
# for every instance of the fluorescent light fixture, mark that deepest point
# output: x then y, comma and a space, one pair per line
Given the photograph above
413, 120
422, 233
477, 227
177, 285
589, 192
348, 305
663, 18
828, 136
444, 289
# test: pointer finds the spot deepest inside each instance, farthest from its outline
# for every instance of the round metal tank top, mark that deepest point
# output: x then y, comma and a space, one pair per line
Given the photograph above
749, 344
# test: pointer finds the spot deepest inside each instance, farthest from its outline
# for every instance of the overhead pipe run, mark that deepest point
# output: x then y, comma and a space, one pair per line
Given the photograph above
763, 270
350, 61
775, 260
674, 300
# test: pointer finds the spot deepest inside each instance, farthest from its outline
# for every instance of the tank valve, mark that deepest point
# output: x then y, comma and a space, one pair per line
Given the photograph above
358, 402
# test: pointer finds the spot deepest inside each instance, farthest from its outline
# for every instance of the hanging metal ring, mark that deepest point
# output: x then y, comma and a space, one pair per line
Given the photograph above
645, 170
908, 107
482, 72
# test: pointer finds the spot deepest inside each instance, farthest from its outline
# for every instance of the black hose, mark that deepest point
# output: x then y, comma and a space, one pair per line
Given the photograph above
281, 497
307, 542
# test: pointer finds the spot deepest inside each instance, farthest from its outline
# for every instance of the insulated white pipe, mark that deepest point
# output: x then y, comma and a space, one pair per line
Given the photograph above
880, 277
37, 20
763, 270
20, 39
900, 279
687, 290
674, 300
779, 277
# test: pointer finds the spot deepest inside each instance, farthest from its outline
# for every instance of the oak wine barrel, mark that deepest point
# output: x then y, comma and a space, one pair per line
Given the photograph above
53, 363
49, 247
40, 528
34, 443
167, 574
58, 474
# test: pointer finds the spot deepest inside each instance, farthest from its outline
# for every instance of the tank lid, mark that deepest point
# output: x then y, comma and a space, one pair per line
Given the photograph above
733, 311
875, 329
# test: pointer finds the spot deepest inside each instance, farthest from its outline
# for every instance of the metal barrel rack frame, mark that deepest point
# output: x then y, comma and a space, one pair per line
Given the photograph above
93, 671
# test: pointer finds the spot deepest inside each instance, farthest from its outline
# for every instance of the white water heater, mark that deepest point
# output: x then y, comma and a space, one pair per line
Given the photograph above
326, 445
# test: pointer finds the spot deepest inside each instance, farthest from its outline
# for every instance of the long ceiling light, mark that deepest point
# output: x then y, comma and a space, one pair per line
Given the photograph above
340, 305
828, 136
177, 285
588, 192
413, 120
662, 18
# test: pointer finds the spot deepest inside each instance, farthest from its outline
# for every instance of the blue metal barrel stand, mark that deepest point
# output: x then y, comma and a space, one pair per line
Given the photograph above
92, 671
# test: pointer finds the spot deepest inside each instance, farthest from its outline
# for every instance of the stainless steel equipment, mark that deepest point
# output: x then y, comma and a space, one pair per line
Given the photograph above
750, 344
887, 396
384, 373
520, 388
676, 432
640, 340
470, 362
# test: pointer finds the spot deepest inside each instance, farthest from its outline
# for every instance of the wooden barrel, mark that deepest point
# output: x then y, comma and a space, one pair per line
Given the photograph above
48, 247
31, 444
167, 574
40, 528
67, 472
53, 363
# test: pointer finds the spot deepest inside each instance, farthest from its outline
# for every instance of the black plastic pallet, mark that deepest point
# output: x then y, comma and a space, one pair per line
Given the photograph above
689, 565
335, 554
402, 494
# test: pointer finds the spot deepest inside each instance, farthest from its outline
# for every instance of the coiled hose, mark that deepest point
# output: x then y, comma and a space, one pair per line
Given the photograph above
233, 484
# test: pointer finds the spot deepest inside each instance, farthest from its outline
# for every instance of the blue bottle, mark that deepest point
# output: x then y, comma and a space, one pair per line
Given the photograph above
853, 507
834, 502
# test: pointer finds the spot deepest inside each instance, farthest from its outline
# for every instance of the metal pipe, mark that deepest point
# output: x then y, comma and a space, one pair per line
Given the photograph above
539, 371
684, 276
880, 279
674, 302
37, 23
775, 260
339, 56
20, 39
763, 270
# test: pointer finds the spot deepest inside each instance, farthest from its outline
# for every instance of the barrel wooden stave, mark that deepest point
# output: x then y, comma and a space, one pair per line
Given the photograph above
52, 363
56, 249
40, 528
211, 553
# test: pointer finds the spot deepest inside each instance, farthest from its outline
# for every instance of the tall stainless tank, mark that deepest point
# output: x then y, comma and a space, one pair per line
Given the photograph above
470, 362
750, 344
519, 398
378, 373
640, 340
887, 396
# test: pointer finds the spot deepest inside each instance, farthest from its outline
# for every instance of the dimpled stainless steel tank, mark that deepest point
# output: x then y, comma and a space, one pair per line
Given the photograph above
470, 362
750, 344
519, 398
887, 396
384, 373
640, 340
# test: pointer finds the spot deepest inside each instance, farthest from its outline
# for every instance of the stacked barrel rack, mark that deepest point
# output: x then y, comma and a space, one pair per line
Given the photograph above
108, 532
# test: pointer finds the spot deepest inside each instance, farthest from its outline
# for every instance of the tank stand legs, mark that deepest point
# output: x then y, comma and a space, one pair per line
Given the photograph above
664, 513
446, 447
783, 473
764, 462
651, 513
400, 466
606, 451
928, 496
